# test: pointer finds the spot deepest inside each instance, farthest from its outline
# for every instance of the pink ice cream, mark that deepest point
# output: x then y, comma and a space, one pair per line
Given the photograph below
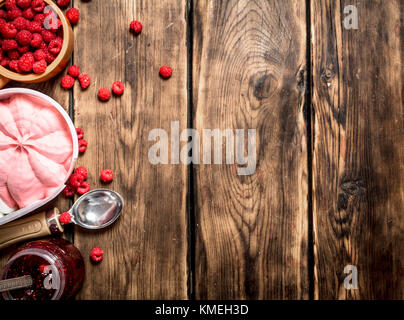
36, 150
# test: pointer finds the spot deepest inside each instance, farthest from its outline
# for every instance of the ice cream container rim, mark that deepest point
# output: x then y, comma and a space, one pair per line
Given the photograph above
24, 211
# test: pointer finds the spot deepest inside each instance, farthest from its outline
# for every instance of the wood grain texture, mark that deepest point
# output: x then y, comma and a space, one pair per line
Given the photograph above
249, 73
146, 250
358, 132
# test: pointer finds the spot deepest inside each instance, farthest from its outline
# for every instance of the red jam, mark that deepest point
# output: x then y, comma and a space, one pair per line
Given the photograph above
56, 268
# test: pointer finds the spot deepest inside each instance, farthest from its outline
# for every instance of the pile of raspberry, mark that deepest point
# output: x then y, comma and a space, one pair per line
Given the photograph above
31, 36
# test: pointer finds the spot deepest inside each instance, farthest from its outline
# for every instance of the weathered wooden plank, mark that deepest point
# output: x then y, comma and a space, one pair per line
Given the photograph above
249, 73
146, 250
358, 132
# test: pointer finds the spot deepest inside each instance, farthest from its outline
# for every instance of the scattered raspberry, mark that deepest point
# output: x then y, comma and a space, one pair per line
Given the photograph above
38, 5
24, 37
76, 180
67, 82
84, 80
73, 71
136, 27
14, 13
97, 254
9, 44
11, 4
107, 175
23, 49
73, 15
83, 189
80, 133
20, 23
24, 3
36, 41
69, 191
34, 26
65, 218
83, 145
13, 64
118, 88
104, 94
13, 54
28, 13
166, 72
8, 30
39, 66
63, 3
83, 171
55, 46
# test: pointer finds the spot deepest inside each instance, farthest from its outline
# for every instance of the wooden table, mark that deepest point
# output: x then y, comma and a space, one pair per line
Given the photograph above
327, 104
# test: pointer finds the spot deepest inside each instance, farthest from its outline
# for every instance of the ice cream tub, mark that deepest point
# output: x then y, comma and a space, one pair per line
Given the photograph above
38, 151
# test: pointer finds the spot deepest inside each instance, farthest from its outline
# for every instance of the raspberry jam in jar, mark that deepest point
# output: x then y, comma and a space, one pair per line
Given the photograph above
55, 266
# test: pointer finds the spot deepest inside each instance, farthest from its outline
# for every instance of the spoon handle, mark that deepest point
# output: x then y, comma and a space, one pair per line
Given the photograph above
15, 283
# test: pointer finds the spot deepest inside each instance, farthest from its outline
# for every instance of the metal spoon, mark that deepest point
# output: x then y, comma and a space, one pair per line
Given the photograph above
95, 210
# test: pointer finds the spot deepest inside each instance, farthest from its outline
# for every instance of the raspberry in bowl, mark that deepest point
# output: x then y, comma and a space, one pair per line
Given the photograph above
36, 41
39, 149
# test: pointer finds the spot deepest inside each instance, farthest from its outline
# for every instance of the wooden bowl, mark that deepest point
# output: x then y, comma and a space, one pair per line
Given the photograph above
56, 66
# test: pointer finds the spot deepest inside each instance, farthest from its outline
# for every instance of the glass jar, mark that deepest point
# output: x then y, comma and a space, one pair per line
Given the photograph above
55, 266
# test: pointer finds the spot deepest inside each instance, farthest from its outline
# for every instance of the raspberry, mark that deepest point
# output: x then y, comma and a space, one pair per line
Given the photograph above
69, 191
73, 71
28, 13
3, 14
166, 72
39, 66
38, 5
13, 64
55, 46
84, 80
104, 94
48, 36
14, 13
9, 44
26, 62
63, 3
8, 30
118, 87
97, 254
82, 171
39, 54
13, 54
24, 37
136, 27
24, 3
4, 62
83, 189
76, 180
20, 23
36, 41
40, 18
34, 26
73, 15
49, 57
80, 133
83, 145
11, 4
65, 218
107, 175
67, 82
